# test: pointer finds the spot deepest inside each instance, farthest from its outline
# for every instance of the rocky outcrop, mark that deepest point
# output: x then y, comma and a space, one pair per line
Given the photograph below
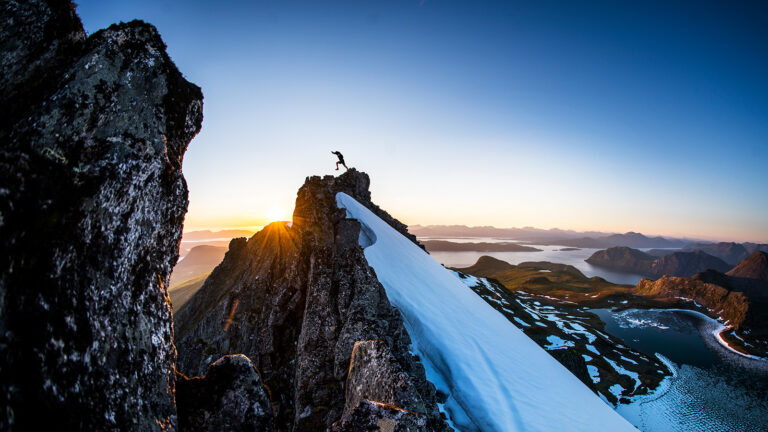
91, 210
375, 374
684, 264
376, 416
230, 397
753, 267
731, 306
296, 298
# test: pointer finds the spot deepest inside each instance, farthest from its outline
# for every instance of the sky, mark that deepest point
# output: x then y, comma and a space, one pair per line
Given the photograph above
601, 115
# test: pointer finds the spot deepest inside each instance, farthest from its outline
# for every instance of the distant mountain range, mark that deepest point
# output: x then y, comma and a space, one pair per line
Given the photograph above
584, 239
674, 264
630, 239
730, 252
211, 235
449, 246
528, 234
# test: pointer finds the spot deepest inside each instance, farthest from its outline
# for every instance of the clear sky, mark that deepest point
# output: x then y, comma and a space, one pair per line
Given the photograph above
649, 116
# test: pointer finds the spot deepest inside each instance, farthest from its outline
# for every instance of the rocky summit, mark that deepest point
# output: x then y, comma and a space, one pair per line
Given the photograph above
92, 200
300, 300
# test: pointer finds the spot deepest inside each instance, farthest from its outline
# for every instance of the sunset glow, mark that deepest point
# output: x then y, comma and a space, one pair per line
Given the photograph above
600, 117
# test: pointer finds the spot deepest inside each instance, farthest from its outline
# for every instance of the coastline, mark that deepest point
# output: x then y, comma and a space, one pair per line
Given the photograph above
716, 333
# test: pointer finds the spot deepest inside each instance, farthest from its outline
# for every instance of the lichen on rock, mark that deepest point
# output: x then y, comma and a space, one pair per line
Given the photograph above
93, 202
230, 397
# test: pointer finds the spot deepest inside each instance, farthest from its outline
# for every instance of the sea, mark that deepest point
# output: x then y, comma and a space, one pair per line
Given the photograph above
713, 388
549, 253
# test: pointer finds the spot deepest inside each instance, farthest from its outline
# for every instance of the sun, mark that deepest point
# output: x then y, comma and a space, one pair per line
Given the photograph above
276, 214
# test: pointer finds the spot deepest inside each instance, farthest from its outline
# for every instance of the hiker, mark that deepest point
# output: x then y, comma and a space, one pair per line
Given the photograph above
341, 160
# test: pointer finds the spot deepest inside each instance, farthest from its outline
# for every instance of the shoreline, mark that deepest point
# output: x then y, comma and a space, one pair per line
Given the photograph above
716, 333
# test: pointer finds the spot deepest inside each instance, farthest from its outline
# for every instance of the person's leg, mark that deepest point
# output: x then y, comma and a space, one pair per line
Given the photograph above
345, 165
337, 166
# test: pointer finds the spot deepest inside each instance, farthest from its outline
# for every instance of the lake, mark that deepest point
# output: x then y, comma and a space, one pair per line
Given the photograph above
548, 253
713, 389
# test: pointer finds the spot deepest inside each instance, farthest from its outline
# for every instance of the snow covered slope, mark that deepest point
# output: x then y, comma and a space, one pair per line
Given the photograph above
496, 377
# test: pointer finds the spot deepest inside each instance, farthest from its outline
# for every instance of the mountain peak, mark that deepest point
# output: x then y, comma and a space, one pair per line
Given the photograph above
317, 198
754, 266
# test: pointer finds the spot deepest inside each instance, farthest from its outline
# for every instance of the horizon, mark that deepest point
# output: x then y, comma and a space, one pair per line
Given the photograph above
257, 228
596, 117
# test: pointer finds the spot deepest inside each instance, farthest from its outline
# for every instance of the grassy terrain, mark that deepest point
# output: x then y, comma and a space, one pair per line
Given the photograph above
561, 281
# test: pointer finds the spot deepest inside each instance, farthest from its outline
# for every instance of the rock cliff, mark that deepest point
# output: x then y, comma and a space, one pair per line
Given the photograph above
301, 301
92, 137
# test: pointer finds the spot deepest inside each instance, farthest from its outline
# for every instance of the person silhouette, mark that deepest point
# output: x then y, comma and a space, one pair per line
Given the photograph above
341, 160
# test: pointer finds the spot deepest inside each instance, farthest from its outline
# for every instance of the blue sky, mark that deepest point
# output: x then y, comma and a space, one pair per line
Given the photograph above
651, 116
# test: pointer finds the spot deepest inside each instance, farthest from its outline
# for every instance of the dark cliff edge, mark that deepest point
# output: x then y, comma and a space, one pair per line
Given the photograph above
302, 303
92, 201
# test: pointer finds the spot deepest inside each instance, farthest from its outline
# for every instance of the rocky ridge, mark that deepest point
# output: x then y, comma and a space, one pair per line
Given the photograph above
302, 303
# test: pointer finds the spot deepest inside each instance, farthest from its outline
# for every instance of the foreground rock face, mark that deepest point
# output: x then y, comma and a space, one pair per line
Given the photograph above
230, 397
376, 416
92, 201
296, 299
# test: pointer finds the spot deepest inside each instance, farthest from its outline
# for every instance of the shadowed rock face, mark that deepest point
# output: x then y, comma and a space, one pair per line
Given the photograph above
754, 266
684, 264
295, 299
687, 264
376, 416
92, 201
230, 397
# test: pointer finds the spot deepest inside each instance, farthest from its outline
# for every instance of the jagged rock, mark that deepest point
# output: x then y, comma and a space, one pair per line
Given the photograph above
230, 397
295, 299
92, 201
375, 375
380, 417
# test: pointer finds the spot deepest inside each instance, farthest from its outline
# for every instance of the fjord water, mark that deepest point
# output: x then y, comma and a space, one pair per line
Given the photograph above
714, 389
548, 253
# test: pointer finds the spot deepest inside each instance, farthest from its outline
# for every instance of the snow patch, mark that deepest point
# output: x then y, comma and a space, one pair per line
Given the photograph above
496, 378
